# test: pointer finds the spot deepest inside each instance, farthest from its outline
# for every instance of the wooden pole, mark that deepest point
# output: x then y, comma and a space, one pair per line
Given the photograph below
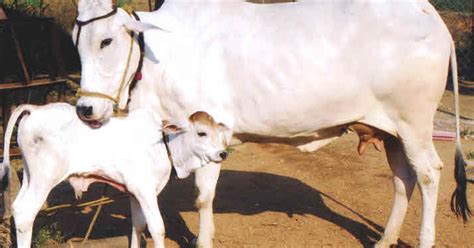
94, 219
19, 54
91, 225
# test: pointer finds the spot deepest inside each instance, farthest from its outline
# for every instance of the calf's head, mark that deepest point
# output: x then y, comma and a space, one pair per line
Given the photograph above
198, 142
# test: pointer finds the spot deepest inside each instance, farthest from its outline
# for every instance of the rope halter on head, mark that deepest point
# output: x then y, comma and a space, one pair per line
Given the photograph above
124, 82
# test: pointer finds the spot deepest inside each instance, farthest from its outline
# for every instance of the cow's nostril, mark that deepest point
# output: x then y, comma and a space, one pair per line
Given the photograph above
84, 111
88, 111
223, 155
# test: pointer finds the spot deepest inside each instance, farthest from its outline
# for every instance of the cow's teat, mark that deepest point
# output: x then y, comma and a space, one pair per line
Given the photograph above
368, 135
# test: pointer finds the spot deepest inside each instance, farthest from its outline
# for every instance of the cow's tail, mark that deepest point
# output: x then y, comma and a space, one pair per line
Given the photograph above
5, 166
459, 204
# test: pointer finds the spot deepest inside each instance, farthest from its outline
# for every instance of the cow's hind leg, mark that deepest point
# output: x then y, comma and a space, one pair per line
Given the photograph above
404, 180
421, 154
206, 181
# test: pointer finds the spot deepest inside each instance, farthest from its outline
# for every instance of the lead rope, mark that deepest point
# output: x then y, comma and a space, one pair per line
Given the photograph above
168, 151
80, 24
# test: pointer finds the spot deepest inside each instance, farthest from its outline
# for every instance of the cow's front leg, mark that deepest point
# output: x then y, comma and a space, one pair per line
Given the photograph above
206, 181
138, 222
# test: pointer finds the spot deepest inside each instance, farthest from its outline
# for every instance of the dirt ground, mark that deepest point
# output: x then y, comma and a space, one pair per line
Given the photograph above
272, 195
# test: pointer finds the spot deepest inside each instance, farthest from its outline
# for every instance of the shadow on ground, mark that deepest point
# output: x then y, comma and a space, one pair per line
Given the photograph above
245, 193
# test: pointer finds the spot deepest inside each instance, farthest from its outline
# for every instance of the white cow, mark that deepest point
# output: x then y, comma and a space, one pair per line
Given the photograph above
128, 153
309, 68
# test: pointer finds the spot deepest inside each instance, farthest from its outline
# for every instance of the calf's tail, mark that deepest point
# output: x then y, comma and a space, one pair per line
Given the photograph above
459, 202
16, 114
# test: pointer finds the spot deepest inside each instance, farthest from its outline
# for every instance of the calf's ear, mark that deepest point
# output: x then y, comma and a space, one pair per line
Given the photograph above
227, 133
223, 127
171, 128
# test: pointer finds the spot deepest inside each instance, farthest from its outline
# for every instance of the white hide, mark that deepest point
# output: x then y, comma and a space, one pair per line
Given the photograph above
283, 70
294, 69
127, 152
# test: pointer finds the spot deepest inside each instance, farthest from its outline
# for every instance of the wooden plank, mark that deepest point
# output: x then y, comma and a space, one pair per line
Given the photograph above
33, 83
14, 152
28, 20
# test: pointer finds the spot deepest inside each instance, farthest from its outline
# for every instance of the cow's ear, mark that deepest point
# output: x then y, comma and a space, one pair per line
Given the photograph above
138, 26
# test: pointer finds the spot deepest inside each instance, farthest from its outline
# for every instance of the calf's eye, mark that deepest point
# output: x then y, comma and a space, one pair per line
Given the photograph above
202, 134
105, 43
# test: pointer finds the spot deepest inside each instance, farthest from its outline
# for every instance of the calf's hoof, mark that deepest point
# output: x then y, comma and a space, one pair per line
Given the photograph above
385, 244
196, 244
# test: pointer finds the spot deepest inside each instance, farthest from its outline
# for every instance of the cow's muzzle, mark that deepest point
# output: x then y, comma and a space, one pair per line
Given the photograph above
85, 114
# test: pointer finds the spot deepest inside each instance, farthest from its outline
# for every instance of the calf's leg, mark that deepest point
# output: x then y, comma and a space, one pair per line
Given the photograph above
25, 208
206, 181
138, 222
149, 206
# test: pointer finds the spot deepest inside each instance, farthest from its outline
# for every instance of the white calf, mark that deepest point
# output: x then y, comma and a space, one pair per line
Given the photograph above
128, 153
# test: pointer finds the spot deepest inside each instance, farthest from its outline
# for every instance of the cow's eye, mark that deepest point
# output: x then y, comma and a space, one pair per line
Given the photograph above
105, 43
202, 134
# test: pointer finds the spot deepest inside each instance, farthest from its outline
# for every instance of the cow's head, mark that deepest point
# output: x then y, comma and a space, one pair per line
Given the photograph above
109, 58
197, 142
